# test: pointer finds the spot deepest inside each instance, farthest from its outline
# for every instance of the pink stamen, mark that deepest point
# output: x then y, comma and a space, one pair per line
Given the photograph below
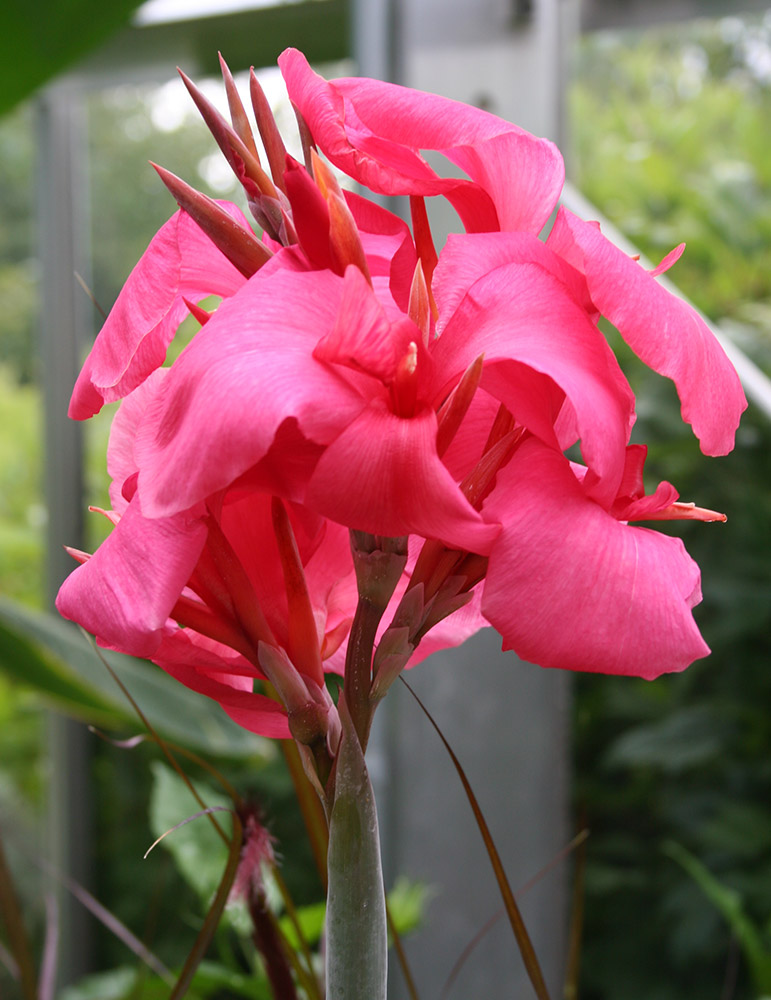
424, 244
456, 406
404, 388
419, 309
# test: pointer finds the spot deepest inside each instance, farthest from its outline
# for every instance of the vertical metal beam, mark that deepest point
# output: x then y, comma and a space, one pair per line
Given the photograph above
376, 43
507, 721
61, 223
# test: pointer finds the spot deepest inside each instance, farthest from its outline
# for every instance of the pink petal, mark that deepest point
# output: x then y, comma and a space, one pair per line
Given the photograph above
363, 338
116, 597
255, 712
666, 333
249, 369
179, 262
383, 475
121, 463
535, 339
374, 132
632, 503
466, 258
569, 586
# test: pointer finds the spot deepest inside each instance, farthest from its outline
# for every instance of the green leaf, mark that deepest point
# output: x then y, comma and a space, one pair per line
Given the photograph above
198, 852
311, 921
127, 983
685, 739
116, 984
40, 40
43, 652
407, 903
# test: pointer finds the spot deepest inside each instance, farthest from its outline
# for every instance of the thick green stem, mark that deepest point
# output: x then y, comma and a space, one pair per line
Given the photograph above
356, 952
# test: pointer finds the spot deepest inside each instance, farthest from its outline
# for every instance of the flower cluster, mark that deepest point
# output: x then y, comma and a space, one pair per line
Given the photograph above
354, 380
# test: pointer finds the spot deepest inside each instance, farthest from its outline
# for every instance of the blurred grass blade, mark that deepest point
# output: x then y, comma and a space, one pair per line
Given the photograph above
575, 934
109, 920
307, 974
47, 982
576, 842
16, 932
730, 904
401, 956
512, 910
311, 808
213, 915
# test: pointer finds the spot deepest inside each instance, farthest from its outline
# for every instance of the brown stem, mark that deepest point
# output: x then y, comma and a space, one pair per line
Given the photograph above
358, 667
269, 944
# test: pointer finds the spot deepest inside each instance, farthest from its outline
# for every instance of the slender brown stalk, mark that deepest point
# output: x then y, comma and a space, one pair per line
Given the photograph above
270, 945
358, 667
17, 935
401, 955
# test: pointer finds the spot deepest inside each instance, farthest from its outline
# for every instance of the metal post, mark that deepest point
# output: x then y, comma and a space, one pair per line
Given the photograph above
508, 721
61, 221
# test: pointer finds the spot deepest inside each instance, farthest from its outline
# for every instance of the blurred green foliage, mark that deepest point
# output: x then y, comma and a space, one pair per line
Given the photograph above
671, 132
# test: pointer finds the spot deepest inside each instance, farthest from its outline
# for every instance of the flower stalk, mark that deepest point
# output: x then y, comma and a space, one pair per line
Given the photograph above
356, 928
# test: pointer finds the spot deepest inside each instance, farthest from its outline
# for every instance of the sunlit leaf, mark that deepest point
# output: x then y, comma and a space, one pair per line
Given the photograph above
38, 41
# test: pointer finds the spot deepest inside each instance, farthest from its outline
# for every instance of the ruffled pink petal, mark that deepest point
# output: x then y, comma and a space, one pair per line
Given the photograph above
466, 258
383, 475
125, 592
666, 333
569, 586
632, 503
250, 369
180, 262
374, 132
362, 337
121, 462
535, 338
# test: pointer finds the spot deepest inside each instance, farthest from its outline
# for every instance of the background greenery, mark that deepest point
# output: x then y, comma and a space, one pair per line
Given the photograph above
671, 141
670, 133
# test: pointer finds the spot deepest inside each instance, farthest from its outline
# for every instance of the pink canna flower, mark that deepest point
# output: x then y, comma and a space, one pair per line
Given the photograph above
353, 379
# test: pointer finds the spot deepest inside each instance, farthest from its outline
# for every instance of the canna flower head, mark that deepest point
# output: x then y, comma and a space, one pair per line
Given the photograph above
355, 380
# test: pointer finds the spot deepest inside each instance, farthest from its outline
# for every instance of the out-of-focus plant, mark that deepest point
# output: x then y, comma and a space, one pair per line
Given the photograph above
670, 134
687, 759
753, 940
